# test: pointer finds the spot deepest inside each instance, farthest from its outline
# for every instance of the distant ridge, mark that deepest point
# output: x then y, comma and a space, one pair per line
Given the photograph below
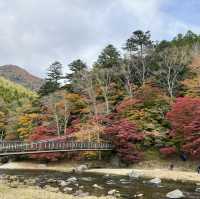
20, 76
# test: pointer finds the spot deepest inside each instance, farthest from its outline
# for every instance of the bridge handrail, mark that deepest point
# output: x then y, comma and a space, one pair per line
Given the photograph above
52, 145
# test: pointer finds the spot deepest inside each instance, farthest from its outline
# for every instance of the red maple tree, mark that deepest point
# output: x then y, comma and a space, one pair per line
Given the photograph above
42, 133
185, 123
125, 137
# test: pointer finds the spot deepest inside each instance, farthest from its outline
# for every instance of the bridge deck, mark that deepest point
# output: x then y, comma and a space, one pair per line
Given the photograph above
14, 148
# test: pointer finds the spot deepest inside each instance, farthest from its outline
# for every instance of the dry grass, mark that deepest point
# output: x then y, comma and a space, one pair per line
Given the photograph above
31, 193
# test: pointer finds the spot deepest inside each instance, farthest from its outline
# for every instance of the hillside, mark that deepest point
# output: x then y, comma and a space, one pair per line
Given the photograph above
10, 91
20, 76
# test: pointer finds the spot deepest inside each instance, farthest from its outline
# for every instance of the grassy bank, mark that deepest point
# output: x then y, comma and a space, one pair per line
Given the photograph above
36, 193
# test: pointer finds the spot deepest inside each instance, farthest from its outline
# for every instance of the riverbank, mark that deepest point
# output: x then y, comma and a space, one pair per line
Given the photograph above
184, 176
182, 172
33, 193
63, 166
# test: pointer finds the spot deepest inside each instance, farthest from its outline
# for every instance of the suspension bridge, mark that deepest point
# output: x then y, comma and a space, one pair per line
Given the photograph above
51, 146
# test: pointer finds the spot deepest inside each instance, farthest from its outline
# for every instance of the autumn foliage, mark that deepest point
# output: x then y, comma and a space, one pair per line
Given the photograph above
125, 137
168, 150
185, 123
42, 133
183, 112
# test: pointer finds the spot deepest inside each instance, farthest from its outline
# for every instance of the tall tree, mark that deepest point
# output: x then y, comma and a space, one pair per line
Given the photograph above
51, 84
54, 72
103, 77
109, 58
139, 47
87, 85
173, 62
75, 67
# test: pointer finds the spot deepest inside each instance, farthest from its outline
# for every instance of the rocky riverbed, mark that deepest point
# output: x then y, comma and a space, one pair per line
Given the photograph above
94, 185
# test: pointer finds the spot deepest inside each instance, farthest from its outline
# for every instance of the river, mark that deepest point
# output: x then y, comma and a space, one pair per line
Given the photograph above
128, 188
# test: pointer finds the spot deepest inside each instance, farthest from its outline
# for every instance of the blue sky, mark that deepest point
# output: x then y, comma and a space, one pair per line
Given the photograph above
34, 33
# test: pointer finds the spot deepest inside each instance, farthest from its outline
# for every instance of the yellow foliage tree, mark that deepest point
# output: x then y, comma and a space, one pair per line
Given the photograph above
26, 124
89, 132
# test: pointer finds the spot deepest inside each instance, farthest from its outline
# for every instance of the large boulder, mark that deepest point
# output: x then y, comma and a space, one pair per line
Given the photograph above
175, 194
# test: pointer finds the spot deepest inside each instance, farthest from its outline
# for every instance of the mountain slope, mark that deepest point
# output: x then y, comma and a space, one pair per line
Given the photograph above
10, 91
21, 76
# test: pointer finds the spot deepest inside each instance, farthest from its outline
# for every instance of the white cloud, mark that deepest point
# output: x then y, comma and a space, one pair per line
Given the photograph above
34, 33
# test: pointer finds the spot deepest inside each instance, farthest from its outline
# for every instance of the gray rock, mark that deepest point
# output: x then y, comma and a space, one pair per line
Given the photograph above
80, 193
63, 183
155, 181
113, 192
133, 174
124, 181
72, 179
197, 189
76, 184
67, 190
52, 189
197, 184
51, 181
14, 184
97, 186
106, 176
89, 179
13, 178
30, 182
110, 182
81, 168
138, 195
175, 194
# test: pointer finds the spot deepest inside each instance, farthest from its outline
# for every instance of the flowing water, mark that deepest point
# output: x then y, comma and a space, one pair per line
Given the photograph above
128, 188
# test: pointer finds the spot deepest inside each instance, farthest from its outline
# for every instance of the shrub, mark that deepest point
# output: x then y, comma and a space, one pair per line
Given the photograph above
168, 150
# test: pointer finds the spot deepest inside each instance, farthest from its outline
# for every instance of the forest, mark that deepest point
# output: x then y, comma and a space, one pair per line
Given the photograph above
144, 98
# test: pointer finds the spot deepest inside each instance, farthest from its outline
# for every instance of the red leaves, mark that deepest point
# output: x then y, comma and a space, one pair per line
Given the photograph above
126, 103
44, 133
183, 112
168, 150
185, 121
125, 136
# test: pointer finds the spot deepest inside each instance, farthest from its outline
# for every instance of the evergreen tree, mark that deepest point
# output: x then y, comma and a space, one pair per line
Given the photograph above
109, 58
51, 84
75, 67
54, 72
140, 49
139, 42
